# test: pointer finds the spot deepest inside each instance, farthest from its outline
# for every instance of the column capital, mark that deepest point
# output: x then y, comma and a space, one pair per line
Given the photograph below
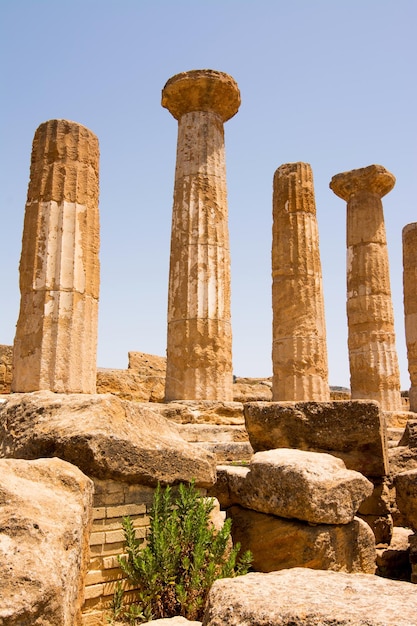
373, 179
201, 90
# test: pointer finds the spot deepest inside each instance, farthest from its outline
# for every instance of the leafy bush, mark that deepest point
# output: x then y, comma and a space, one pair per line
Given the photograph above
184, 555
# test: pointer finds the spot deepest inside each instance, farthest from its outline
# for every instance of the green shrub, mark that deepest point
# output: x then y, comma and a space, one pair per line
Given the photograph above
184, 555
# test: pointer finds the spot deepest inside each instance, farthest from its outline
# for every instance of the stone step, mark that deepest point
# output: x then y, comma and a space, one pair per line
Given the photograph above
213, 433
229, 451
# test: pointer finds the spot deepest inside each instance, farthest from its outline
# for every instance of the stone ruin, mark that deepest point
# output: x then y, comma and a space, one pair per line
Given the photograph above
311, 482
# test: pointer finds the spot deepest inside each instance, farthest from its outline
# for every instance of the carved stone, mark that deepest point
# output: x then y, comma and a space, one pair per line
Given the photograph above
374, 372
199, 346
410, 305
299, 352
56, 336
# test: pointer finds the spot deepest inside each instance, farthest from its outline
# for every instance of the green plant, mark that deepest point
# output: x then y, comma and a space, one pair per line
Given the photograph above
184, 555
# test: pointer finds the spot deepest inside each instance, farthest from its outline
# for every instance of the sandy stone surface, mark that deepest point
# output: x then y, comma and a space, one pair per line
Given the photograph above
45, 517
199, 338
409, 236
55, 345
353, 431
406, 496
374, 371
278, 543
310, 598
104, 436
309, 486
299, 349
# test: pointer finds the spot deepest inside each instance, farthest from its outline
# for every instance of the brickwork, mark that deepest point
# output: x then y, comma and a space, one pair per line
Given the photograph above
112, 501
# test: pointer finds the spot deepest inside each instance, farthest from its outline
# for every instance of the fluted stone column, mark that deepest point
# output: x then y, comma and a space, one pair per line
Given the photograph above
374, 372
199, 345
410, 305
299, 350
56, 336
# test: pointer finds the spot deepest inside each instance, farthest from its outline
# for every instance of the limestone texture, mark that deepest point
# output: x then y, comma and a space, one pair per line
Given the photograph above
353, 431
130, 385
56, 335
104, 436
299, 349
308, 486
277, 543
406, 496
202, 412
6, 356
45, 520
410, 305
199, 341
311, 598
374, 372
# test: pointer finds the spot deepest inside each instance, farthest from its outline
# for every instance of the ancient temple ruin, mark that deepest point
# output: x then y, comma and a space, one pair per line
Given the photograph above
55, 345
299, 351
410, 305
374, 372
199, 342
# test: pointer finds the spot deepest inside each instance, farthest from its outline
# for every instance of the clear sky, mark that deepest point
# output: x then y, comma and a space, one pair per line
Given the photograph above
328, 82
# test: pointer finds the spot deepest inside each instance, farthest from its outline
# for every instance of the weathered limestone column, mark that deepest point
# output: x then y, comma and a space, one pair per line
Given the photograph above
374, 372
299, 350
410, 305
56, 336
199, 346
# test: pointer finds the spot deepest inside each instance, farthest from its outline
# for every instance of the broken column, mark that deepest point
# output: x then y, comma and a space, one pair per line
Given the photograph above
199, 346
56, 336
299, 350
410, 305
374, 372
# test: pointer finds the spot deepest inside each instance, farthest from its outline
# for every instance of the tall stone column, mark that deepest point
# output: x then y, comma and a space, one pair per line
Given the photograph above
299, 350
56, 336
374, 373
199, 345
410, 305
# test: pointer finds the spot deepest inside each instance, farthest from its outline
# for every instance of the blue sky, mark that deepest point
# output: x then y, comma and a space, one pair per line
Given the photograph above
328, 82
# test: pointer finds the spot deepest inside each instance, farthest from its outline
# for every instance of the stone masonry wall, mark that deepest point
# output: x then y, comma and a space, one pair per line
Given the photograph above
112, 501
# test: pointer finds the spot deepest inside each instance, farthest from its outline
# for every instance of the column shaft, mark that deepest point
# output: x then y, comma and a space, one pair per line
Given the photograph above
374, 372
199, 342
299, 352
410, 305
56, 335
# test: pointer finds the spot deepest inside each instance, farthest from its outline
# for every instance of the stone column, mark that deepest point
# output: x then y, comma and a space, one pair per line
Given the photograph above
56, 336
199, 346
374, 372
410, 305
299, 350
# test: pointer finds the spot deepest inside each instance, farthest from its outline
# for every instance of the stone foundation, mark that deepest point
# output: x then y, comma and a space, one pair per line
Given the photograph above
112, 501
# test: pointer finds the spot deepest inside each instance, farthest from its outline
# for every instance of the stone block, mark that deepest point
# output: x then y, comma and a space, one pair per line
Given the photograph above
406, 496
352, 431
278, 543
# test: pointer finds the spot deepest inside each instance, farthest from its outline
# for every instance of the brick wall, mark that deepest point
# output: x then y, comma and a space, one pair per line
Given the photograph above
112, 501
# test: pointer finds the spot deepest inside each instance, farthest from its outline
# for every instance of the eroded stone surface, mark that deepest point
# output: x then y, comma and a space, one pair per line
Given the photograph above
353, 431
406, 496
56, 335
104, 436
45, 518
374, 372
409, 235
6, 356
311, 598
199, 343
309, 486
299, 350
278, 543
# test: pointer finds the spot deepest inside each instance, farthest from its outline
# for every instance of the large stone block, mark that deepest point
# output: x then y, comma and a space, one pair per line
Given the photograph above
308, 486
352, 431
45, 519
406, 496
278, 543
311, 598
104, 436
